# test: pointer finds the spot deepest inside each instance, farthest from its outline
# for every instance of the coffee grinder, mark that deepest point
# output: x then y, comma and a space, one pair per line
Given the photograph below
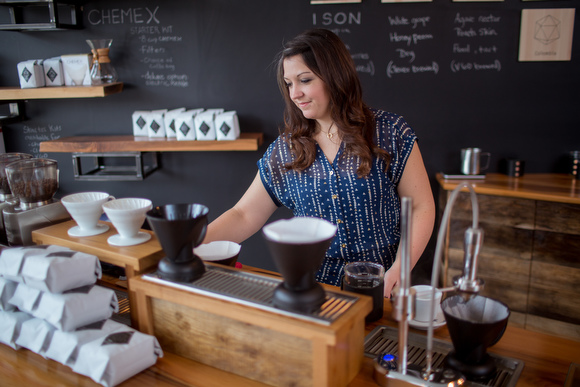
33, 182
179, 228
6, 198
298, 246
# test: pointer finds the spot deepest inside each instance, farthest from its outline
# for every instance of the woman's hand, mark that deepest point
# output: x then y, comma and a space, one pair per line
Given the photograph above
391, 280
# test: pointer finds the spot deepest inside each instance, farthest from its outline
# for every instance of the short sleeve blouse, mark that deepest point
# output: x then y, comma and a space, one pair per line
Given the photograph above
365, 210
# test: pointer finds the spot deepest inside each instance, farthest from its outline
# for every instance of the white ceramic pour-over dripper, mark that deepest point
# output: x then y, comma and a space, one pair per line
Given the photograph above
86, 209
300, 230
222, 252
128, 215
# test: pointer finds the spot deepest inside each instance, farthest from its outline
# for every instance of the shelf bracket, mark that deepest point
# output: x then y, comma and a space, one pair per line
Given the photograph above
15, 113
118, 166
54, 8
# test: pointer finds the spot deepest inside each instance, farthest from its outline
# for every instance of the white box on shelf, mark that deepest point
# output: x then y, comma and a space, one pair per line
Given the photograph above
170, 128
141, 121
227, 126
184, 124
205, 124
31, 74
53, 71
156, 126
77, 69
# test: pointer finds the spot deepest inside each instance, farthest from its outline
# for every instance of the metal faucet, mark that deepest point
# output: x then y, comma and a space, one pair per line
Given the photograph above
404, 297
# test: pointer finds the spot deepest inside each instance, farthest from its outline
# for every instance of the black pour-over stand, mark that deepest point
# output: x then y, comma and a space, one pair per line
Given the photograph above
298, 263
475, 323
179, 228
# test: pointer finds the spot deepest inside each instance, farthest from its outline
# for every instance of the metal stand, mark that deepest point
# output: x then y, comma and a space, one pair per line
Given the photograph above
16, 10
126, 166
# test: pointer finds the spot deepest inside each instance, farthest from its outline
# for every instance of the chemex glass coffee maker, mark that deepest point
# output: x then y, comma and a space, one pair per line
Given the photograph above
298, 246
7, 199
474, 322
179, 228
33, 182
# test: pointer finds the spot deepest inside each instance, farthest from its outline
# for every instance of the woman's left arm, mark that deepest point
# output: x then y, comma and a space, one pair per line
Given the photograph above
414, 184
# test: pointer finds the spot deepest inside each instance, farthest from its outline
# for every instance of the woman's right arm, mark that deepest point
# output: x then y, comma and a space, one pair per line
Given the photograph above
244, 219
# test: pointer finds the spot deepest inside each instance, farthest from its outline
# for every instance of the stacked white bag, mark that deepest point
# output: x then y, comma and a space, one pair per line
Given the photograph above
187, 124
51, 305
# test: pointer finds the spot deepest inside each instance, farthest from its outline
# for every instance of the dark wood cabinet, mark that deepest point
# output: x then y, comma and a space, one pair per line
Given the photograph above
530, 258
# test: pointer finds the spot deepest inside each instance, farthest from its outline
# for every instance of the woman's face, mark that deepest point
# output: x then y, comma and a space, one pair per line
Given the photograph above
306, 89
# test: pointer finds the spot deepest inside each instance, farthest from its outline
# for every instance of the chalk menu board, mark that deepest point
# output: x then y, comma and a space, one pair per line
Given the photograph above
450, 68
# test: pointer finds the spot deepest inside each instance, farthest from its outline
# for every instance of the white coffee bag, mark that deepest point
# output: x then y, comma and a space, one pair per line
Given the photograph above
227, 126
205, 124
185, 126
59, 271
156, 126
141, 120
10, 326
65, 346
35, 335
53, 72
12, 259
169, 118
75, 308
118, 356
31, 74
26, 298
7, 290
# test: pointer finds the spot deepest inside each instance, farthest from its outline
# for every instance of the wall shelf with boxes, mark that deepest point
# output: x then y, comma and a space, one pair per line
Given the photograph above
91, 153
43, 15
529, 258
60, 92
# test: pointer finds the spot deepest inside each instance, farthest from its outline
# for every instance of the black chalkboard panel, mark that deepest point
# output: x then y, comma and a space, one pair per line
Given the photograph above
450, 68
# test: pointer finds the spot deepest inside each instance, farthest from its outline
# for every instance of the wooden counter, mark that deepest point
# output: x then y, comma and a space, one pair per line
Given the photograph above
547, 360
551, 187
530, 258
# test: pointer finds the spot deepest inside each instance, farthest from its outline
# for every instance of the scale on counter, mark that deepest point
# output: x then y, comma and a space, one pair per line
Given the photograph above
385, 339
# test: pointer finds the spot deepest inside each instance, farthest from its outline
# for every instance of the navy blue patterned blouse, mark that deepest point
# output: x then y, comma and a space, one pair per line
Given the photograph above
366, 210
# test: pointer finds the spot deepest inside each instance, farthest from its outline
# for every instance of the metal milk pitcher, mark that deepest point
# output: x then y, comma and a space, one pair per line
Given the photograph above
471, 163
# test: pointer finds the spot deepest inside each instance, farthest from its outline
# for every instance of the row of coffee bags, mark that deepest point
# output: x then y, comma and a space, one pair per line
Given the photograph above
65, 70
51, 305
187, 124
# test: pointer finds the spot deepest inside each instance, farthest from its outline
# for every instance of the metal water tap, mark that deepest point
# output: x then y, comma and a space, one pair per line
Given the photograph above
404, 299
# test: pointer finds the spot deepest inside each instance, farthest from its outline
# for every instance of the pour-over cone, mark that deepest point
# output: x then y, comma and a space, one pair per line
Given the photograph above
298, 246
475, 323
179, 228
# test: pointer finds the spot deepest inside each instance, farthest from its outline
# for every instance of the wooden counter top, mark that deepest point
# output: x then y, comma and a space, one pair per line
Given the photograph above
547, 360
551, 187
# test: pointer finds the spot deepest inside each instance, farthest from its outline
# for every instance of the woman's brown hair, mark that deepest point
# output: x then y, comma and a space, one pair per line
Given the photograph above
327, 56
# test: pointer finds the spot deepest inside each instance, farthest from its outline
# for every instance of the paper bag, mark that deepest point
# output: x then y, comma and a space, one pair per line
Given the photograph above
60, 271
31, 74
75, 308
7, 290
169, 120
35, 335
53, 72
205, 124
184, 124
10, 325
12, 259
227, 126
65, 346
118, 356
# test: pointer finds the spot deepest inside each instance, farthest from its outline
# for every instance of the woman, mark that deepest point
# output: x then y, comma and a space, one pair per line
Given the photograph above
338, 160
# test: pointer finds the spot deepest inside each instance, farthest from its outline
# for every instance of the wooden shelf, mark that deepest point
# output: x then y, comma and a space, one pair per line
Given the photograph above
16, 93
112, 144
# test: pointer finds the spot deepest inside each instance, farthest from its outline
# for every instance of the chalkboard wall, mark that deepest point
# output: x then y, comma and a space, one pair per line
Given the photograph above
450, 68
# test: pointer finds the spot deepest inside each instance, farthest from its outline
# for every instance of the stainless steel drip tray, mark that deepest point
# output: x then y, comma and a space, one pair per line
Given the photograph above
256, 291
385, 339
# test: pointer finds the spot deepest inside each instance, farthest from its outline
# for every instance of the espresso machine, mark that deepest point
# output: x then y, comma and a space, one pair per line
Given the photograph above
7, 200
33, 182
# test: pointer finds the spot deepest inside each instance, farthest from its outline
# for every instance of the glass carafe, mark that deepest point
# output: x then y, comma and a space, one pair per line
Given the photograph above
101, 70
